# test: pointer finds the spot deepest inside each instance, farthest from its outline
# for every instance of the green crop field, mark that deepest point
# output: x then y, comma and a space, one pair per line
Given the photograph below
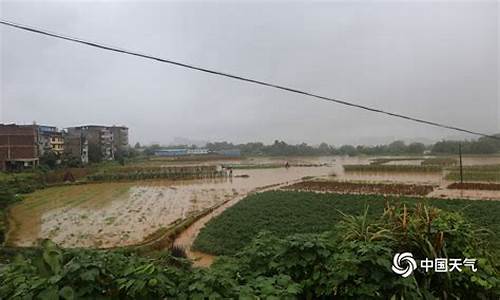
439, 161
255, 166
286, 213
381, 161
476, 173
391, 168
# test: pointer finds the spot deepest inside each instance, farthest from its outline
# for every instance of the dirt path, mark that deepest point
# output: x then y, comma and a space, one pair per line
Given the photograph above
443, 192
187, 237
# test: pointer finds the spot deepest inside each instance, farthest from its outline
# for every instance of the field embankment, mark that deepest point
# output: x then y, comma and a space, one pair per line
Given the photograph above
392, 168
475, 186
348, 187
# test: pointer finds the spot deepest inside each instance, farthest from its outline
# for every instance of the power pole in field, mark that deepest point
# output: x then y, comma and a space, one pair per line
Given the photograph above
461, 168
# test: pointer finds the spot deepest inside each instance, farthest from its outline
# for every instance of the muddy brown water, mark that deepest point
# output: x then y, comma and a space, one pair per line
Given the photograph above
107, 215
187, 238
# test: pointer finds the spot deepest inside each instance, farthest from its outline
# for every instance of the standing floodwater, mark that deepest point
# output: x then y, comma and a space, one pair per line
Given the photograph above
124, 213
118, 214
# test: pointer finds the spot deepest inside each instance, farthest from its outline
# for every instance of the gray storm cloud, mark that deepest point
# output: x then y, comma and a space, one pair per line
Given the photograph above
433, 60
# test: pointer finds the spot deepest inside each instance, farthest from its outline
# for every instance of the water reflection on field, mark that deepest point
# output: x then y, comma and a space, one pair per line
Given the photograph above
117, 214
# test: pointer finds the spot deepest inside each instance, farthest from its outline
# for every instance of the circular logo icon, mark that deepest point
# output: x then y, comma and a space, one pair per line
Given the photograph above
403, 264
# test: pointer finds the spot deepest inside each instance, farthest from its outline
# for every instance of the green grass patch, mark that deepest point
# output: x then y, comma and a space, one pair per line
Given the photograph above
381, 161
439, 161
287, 213
73, 195
480, 168
476, 173
392, 168
474, 176
257, 166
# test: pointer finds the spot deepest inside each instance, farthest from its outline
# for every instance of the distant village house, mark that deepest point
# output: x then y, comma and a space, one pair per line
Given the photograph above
22, 146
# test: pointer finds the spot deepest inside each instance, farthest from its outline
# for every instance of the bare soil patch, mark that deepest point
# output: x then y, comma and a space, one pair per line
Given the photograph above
362, 188
475, 186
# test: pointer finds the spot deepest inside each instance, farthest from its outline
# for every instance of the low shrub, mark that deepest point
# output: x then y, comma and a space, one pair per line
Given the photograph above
287, 212
353, 261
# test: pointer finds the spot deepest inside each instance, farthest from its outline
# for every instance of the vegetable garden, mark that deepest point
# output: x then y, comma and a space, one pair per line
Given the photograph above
277, 245
351, 261
286, 212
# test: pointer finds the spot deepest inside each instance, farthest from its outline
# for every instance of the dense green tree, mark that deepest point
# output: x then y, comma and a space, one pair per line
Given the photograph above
49, 159
348, 150
70, 161
325, 149
416, 148
150, 150
397, 147
95, 154
281, 148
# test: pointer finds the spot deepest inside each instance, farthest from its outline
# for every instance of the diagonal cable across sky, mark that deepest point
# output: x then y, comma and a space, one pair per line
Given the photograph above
242, 78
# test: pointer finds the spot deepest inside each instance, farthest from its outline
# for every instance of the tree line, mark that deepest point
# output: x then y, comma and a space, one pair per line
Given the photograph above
278, 148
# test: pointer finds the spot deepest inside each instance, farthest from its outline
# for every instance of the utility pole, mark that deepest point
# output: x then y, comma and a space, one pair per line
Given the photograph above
461, 168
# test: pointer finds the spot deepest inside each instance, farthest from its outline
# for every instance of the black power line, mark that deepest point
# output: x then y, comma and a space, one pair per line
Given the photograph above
272, 85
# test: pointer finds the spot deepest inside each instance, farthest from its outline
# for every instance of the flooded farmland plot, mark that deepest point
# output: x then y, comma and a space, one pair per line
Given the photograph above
114, 214
111, 214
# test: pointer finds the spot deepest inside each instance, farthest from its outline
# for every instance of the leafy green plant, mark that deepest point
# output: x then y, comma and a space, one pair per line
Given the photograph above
287, 212
354, 261
54, 273
350, 260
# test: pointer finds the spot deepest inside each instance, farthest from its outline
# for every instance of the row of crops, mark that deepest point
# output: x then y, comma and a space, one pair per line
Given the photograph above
393, 168
287, 212
476, 173
272, 165
488, 173
185, 172
350, 259
475, 186
440, 161
433, 161
361, 187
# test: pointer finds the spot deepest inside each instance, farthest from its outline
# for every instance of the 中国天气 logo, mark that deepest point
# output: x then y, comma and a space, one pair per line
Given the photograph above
403, 264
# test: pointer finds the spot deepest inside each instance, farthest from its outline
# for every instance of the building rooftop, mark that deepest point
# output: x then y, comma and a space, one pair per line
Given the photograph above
97, 126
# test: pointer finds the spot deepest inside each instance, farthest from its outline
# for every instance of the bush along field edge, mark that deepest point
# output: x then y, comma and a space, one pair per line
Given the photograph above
352, 261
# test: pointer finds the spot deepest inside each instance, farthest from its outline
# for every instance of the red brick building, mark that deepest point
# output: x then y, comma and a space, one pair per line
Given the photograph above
18, 146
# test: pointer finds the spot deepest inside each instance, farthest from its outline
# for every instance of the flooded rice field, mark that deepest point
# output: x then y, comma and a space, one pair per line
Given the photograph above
106, 215
112, 214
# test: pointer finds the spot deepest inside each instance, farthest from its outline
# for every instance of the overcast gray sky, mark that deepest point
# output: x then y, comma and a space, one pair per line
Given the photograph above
434, 60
